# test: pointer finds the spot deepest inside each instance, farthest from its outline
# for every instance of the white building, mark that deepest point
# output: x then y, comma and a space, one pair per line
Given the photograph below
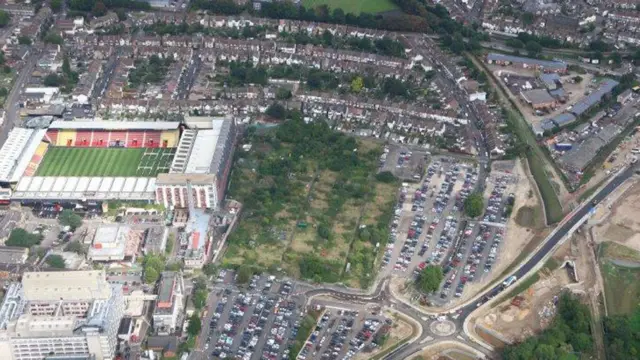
64, 314
169, 304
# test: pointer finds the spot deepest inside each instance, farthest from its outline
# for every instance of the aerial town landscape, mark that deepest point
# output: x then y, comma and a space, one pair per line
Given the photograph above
319, 179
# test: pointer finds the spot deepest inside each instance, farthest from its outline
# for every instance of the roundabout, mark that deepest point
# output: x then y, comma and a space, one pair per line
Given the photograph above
442, 328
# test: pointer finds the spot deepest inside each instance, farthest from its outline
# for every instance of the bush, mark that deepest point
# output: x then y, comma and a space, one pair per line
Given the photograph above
22, 238
245, 272
386, 177
56, 261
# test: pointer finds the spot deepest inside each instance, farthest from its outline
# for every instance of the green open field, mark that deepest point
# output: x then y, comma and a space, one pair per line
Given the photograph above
312, 204
621, 287
73, 161
354, 6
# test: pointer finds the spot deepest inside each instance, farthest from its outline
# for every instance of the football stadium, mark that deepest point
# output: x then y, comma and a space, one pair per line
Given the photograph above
72, 163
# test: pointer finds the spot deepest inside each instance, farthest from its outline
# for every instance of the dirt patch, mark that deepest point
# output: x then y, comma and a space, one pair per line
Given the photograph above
445, 351
622, 226
526, 217
519, 317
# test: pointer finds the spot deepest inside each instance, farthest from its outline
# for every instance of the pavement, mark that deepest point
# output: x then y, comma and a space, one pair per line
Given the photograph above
448, 327
12, 118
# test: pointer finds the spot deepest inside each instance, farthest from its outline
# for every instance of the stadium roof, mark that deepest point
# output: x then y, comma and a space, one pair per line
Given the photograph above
522, 60
115, 125
594, 98
17, 151
85, 188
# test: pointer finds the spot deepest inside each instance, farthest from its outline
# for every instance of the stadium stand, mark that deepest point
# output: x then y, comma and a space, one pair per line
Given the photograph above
51, 136
36, 159
83, 138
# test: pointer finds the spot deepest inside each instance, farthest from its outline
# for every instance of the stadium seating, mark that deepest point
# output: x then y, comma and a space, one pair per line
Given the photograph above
100, 139
135, 139
83, 138
51, 136
118, 138
36, 158
152, 139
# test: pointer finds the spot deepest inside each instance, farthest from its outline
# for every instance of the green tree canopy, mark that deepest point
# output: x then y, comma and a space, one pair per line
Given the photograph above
76, 247
150, 275
357, 84
56, 261
195, 325
56, 5
5, 18
53, 38
22, 238
24, 40
69, 218
200, 298
429, 279
245, 272
474, 205
210, 269
276, 111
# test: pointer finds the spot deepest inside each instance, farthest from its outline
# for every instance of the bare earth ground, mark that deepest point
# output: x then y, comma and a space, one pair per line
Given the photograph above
446, 351
535, 312
622, 225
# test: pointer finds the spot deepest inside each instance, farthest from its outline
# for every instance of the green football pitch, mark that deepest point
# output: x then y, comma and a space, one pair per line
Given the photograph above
73, 161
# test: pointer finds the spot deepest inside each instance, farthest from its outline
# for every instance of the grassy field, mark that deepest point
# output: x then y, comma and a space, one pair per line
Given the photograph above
621, 287
354, 6
313, 215
70, 161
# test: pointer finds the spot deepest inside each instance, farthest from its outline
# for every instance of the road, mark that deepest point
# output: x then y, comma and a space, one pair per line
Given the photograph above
382, 296
11, 116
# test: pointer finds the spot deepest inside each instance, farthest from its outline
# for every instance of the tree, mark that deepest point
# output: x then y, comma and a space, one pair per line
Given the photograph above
283, 94
24, 40
53, 38
56, 5
276, 111
473, 205
52, 80
194, 326
150, 275
5, 18
56, 261
153, 262
386, 177
75, 246
209, 269
527, 18
70, 219
200, 298
22, 238
245, 272
99, 9
171, 239
429, 279
357, 84
4, 92
533, 47
578, 79
122, 15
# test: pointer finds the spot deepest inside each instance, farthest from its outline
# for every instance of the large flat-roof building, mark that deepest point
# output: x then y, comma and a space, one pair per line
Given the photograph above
201, 164
65, 314
114, 243
527, 63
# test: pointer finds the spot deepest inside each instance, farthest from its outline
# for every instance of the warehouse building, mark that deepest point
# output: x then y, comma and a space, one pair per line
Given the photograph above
68, 314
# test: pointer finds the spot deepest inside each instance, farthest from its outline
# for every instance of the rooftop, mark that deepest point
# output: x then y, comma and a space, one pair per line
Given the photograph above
115, 125
523, 60
537, 96
70, 285
17, 152
13, 255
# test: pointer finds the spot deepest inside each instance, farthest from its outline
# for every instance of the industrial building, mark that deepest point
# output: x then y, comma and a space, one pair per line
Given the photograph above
115, 243
200, 167
527, 63
538, 99
65, 314
169, 304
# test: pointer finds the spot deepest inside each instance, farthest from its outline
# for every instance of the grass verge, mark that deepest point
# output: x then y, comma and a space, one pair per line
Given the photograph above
621, 287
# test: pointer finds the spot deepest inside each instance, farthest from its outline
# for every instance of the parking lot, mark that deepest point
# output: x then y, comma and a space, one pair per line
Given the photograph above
427, 215
256, 323
343, 333
402, 162
428, 227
